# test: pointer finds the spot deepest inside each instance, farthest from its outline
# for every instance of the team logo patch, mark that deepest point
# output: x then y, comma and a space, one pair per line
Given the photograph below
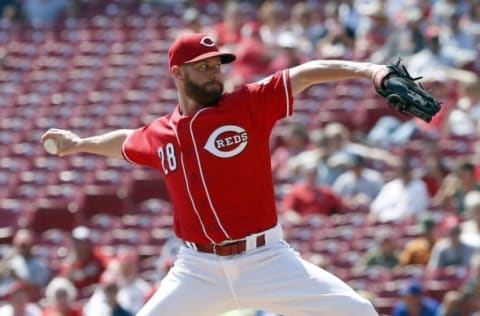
227, 141
207, 41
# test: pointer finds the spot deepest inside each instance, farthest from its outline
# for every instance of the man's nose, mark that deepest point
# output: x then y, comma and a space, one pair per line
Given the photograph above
215, 74
215, 71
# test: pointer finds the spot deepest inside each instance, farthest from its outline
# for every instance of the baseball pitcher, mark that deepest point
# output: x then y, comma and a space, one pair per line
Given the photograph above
213, 152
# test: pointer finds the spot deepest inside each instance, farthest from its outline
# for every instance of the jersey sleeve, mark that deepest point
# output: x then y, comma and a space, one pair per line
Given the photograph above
271, 98
138, 149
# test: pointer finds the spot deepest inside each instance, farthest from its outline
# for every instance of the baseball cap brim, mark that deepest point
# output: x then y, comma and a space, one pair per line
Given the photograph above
225, 58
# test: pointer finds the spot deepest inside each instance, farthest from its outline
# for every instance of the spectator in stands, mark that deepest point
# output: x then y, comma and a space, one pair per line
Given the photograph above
271, 16
18, 302
452, 192
132, 289
442, 10
414, 302
253, 57
406, 39
465, 301
44, 12
104, 301
458, 42
417, 251
23, 265
341, 147
463, 119
338, 40
287, 54
431, 57
295, 139
471, 228
384, 254
374, 30
471, 20
450, 251
306, 197
434, 169
191, 23
389, 131
305, 27
472, 301
349, 16
10, 10
316, 155
402, 198
84, 263
61, 295
227, 33
358, 186
451, 304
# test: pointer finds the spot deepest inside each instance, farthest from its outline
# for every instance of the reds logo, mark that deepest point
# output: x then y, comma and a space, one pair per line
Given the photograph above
207, 41
227, 141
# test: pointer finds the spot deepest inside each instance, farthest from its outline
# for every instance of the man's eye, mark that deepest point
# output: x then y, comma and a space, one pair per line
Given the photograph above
207, 67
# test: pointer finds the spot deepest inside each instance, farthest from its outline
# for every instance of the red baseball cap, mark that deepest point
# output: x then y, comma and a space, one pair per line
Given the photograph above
192, 47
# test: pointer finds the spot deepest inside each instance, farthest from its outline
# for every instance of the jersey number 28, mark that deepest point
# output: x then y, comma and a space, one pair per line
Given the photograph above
167, 158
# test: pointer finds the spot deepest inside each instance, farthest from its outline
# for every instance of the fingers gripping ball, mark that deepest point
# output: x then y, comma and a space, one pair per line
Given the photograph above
51, 146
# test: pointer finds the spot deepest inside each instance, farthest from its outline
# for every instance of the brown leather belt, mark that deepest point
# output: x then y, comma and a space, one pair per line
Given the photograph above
228, 249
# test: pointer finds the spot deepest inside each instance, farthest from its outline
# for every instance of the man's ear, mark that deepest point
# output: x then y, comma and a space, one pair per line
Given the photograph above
177, 72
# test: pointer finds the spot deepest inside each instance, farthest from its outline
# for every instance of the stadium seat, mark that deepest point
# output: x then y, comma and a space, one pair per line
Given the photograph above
158, 236
136, 221
348, 259
153, 207
53, 237
59, 213
104, 198
104, 222
128, 237
8, 183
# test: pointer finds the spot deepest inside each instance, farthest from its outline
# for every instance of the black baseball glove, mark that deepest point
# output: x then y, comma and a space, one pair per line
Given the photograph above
403, 93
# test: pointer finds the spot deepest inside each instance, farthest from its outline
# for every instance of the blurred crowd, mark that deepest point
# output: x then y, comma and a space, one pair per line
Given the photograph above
395, 173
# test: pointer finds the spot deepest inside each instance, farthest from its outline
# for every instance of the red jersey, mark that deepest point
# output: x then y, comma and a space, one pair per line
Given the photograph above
83, 274
305, 201
225, 36
216, 162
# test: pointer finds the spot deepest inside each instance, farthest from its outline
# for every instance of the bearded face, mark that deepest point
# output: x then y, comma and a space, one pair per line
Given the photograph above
206, 94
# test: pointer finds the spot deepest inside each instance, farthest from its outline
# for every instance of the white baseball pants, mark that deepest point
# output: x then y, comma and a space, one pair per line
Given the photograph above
271, 278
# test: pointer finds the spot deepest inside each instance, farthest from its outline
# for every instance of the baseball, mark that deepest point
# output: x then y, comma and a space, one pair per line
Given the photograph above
51, 146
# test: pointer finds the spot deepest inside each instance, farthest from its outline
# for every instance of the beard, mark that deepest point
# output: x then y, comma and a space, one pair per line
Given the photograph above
207, 94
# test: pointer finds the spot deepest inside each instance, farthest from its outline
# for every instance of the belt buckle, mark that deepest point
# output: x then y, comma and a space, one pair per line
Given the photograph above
226, 249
